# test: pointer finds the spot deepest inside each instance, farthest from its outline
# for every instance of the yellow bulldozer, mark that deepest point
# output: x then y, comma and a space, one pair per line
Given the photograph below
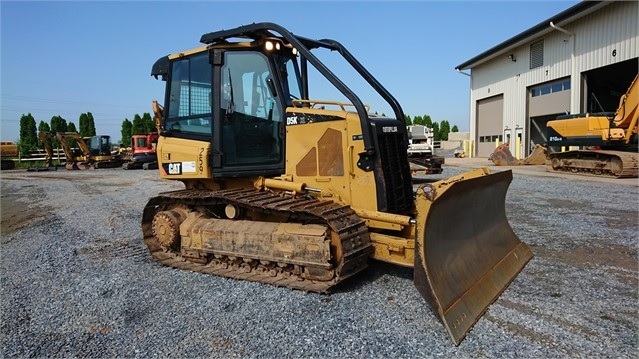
287, 190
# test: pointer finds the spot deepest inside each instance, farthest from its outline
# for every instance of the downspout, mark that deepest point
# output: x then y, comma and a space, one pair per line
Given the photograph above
470, 110
573, 76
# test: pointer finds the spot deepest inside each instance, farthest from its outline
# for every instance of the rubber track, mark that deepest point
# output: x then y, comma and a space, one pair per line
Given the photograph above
628, 159
341, 219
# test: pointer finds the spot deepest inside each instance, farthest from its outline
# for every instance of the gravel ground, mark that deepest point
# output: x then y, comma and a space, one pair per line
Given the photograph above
77, 281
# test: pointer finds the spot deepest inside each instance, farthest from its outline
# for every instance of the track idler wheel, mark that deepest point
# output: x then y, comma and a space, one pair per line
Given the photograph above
166, 226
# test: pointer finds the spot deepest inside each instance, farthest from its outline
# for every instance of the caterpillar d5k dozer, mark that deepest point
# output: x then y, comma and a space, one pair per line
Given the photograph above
301, 193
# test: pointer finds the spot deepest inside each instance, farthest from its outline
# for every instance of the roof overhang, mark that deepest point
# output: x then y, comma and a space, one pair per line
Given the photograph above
567, 16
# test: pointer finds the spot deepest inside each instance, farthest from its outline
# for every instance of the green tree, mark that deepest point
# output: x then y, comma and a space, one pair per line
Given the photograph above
87, 124
444, 129
44, 127
137, 126
408, 120
418, 120
28, 135
71, 128
149, 123
454, 129
83, 121
436, 132
58, 124
126, 132
142, 125
427, 121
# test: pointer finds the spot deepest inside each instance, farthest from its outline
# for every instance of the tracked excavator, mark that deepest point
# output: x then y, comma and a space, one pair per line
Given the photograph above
142, 152
287, 190
610, 140
93, 152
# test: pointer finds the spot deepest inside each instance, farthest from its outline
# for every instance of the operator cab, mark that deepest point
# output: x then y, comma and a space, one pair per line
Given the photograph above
233, 95
100, 145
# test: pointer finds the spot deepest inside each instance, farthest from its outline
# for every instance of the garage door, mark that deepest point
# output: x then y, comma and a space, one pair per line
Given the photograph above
490, 119
545, 102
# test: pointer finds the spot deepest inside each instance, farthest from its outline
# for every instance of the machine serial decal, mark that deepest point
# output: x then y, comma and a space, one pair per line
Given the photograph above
304, 118
554, 139
189, 167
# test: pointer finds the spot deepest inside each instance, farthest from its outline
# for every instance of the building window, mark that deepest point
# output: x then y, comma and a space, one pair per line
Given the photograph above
551, 87
491, 138
537, 54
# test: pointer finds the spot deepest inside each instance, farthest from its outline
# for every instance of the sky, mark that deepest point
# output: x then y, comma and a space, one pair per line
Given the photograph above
72, 57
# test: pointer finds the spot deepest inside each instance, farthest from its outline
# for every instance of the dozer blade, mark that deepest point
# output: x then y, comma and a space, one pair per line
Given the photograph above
466, 252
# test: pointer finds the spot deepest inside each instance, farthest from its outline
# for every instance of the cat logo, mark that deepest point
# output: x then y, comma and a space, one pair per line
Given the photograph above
175, 168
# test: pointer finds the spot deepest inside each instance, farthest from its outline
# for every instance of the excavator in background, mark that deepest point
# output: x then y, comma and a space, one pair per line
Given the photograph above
93, 152
609, 140
142, 153
8, 151
287, 190
611, 137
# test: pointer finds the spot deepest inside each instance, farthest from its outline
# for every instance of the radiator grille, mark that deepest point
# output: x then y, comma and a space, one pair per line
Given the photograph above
396, 172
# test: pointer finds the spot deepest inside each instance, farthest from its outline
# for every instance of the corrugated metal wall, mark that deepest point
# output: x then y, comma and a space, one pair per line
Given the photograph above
606, 36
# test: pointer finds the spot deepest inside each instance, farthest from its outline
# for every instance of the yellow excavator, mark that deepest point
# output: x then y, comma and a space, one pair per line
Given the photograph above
93, 152
287, 190
610, 140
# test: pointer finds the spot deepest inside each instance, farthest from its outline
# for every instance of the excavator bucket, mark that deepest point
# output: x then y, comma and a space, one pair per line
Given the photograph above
537, 157
466, 252
502, 156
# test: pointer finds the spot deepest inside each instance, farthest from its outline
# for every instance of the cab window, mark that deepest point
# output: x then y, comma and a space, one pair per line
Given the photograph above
251, 113
189, 107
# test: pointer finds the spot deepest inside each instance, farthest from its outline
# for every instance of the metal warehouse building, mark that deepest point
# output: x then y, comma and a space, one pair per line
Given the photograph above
580, 60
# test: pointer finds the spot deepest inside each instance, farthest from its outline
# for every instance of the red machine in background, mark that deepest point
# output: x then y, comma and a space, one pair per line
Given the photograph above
142, 153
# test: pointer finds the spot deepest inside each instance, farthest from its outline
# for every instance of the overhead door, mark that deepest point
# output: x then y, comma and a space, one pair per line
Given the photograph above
545, 102
490, 119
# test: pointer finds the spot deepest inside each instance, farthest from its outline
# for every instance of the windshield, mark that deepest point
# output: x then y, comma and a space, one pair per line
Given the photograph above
189, 106
251, 132
290, 76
